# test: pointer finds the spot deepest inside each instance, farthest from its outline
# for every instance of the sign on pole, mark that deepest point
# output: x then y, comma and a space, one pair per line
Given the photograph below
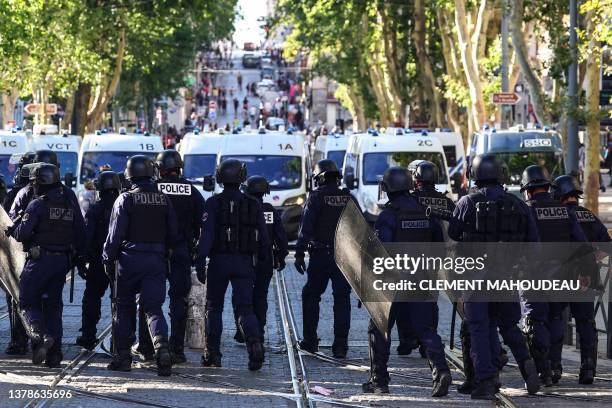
35, 108
505, 98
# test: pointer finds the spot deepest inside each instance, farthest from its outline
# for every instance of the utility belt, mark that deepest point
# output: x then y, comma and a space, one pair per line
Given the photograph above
36, 251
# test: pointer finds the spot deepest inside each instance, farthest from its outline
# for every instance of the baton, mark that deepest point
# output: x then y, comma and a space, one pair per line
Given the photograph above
452, 328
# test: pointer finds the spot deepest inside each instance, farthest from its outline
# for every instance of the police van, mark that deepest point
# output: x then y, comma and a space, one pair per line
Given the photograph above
113, 150
519, 148
65, 146
370, 154
13, 145
199, 153
452, 143
332, 147
283, 159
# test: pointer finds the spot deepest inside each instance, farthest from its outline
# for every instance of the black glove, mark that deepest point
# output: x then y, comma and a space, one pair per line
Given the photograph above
81, 265
201, 273
300, 265
110, 271
281, 264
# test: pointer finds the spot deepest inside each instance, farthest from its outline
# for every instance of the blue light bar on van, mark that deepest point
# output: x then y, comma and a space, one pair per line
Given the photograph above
408, 130
485, 127
445, 130
103, 131
196, 131
424, 132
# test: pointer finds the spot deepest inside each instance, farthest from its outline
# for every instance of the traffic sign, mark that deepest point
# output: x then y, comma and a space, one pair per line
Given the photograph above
505, 98
35, 108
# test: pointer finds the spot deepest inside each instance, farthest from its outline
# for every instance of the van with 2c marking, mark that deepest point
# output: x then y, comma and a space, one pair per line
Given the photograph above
199, 153
454, 151
111, 149
12, 146
283, 159
369, 155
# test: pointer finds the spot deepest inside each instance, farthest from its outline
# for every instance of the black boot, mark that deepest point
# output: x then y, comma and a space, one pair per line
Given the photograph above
469, 383
588, 365
530, 375
484, 390
178, 354
503, 358
54, 360
375, 387
87, 342
143, 352
17, 348
406, 345
239, 337
42, 346
309, 345
162, 357
211, 359
340, 347
256, 354
441, 381
556, 373
546, 377
122, 361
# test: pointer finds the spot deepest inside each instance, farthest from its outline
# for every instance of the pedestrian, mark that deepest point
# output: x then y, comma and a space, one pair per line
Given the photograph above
316, 235
484, 319
258, 186
236, 103
544, 320
239, 79
53, 232
234, 238
404, 220
142, 230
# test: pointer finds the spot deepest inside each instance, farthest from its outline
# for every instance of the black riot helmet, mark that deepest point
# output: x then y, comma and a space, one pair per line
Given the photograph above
26, 158
108, 180
45, 174
257, 185
46, 156
535, 176
231, 171
325, 171
139, 167
396, 179
424, 171
169, 160
488, 168
23, 174
566, 186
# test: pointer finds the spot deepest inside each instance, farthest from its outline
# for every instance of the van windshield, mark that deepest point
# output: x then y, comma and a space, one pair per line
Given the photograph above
92, 161
517, 162
337, 156
199, 165
68, 162
282, 172
375, 164
7, 169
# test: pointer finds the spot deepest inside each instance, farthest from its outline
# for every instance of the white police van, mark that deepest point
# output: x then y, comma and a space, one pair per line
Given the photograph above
199, 153
13, 145
519, 148
370, 154
113, 150
332, 147
65, 146
452, 143
283, 159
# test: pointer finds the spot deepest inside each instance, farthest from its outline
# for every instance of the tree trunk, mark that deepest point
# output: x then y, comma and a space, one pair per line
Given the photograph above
81, 106
520, 49
359, 112
592, 145
8, 106
67, 120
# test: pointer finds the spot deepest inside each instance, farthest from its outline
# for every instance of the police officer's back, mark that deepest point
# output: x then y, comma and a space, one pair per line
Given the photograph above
234, 237
425, 176
53, 228
21, 179
316, 235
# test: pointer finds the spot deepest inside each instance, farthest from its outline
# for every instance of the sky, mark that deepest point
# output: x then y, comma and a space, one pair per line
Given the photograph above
247, 27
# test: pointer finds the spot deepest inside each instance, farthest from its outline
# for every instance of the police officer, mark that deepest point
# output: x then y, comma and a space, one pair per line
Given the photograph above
19, 338
316, 235
404, 220
53, 228
142, 229
567, 190
543, 321
257, 186
97, 219
234, 237
188, 204
515, 224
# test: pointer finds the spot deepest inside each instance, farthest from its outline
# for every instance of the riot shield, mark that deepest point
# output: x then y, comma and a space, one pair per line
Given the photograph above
355, 247
12, 258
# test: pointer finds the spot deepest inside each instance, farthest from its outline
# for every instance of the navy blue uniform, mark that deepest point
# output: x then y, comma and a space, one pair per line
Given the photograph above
97, 219
420, 316
317, 230
233, 243
143, 227
21, 201
54, 223
484, 319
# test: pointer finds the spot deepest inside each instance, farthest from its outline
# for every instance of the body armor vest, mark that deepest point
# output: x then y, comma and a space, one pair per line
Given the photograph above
148, 217
269, 215
332, 203
552, 219
57, 228
495, 220
102, 223
588, 223
411, 225
178, 191
237, 227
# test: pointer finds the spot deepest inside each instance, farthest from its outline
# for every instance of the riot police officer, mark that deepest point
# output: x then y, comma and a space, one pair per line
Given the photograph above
234, 237
142, 230
97, 219
543, 321
18, 344
53, 228
567, 190
515, 224
189, 206
404, 220
316, 235
257, 186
